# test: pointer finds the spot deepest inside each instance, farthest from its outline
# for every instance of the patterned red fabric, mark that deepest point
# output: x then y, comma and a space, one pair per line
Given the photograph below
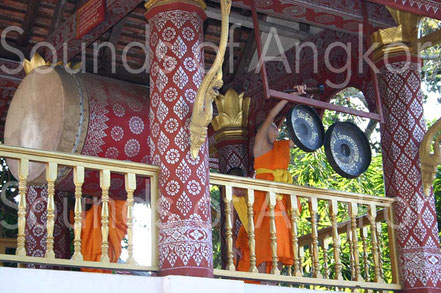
36, 206
176, 72
401, 135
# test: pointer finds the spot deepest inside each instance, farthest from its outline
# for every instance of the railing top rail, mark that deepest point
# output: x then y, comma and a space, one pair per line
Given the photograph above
303, 191
72, 160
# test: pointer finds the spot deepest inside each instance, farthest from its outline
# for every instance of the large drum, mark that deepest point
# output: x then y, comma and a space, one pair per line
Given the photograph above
81, 113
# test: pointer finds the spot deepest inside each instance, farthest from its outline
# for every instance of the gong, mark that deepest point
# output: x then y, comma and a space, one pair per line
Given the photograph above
305, 128
347, 149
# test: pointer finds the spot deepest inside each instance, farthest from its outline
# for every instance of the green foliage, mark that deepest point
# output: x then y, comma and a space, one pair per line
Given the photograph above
431, 72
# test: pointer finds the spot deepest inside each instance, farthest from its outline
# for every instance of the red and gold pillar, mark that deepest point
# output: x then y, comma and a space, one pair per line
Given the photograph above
231, 126
176, 72
401, 134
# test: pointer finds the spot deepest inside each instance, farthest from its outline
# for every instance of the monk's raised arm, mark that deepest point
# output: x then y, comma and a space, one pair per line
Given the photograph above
262, 132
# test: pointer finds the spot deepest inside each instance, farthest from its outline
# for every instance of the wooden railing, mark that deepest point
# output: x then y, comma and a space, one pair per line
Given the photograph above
359, 231
354, 222
79, 165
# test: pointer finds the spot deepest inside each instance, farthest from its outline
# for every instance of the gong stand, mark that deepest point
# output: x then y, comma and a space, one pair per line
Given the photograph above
270, 93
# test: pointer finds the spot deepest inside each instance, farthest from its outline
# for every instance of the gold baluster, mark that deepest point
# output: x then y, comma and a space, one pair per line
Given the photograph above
313, 208
295, 214
228, 227
251, 239
105, 185
78, 181
364, 239
51, 176
301, 257
272, 204
324, 245
130, 180
335, 239
23, 169
375, 243
353, 211
351, 249
391, 229
379, 241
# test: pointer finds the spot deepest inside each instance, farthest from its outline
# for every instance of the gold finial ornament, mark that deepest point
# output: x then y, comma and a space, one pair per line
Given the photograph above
38, 61
429, 160
233, 110
154, 3
209, 89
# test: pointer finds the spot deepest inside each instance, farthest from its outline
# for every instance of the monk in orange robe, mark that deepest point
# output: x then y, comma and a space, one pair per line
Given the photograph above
271, 163
91, 233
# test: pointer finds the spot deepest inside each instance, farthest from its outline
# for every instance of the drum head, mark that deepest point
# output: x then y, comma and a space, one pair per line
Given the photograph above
46, 113
305, 128
347, 149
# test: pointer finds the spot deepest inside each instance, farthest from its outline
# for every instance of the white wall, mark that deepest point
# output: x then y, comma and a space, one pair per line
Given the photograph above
32, 280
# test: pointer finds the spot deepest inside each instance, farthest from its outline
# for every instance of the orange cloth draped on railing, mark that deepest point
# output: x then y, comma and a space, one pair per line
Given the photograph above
277, 158
91, 233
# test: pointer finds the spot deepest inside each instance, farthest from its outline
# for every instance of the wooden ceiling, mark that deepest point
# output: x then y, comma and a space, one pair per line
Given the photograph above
40, 18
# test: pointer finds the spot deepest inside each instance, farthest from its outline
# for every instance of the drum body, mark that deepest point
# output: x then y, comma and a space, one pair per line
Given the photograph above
82, 114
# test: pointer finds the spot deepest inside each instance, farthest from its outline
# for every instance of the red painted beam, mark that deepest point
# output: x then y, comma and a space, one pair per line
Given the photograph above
116, 10
259, 49
322, 105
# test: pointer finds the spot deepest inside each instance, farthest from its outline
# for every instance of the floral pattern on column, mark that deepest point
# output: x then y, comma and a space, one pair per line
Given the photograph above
176, 72
401, 135
233, 156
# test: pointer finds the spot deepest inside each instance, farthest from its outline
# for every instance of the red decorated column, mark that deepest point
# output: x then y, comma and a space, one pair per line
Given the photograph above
176, 72
401, 134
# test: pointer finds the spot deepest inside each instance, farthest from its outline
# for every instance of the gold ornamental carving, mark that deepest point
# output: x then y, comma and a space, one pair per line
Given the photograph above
38, 61
232, 119
209, 89
233, 110
397, 40
430, 161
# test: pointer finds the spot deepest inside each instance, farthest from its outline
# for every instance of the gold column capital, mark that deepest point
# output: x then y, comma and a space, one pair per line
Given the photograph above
232, 119
155, 3
397, 40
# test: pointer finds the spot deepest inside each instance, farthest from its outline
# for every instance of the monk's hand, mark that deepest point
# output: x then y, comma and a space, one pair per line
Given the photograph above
301, 89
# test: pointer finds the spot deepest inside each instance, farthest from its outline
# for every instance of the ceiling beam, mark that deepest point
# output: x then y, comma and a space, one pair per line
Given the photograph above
58, 15
264, 26
433, 37
29, 19
113, 39
246, 57
66, 33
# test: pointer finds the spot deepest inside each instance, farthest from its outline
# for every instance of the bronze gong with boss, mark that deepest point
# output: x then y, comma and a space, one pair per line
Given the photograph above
346, 146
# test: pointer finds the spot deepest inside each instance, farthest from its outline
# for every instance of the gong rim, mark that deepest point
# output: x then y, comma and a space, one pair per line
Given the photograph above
295, 137
363, 142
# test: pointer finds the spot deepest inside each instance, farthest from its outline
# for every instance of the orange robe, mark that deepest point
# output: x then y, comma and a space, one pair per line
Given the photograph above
91, 233
277, 158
